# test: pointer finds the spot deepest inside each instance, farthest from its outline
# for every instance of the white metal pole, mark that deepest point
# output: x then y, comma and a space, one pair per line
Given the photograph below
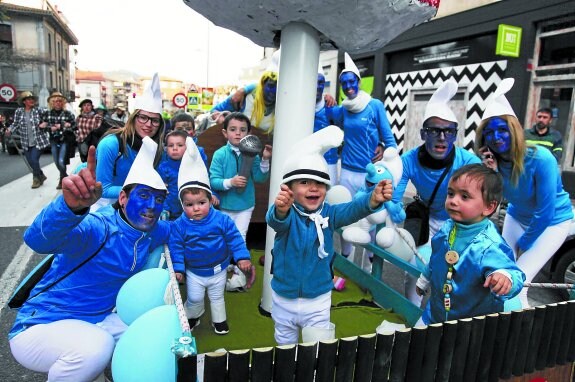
294, 114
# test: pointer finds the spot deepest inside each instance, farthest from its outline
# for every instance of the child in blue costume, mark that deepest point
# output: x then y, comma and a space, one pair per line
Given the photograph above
237, 193
203, 242
539, 212
472, 270
303, 247
168, 170
69, 331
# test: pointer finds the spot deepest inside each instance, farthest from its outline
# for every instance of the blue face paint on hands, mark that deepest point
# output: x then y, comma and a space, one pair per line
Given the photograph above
320, 87
144, 207
270, 89
349, 84
497, 135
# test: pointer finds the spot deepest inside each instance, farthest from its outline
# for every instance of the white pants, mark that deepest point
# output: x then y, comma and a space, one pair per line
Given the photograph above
68, 350
291, 314
332, 171
242, 219
196, 286
409, 281
532, 260
353, 181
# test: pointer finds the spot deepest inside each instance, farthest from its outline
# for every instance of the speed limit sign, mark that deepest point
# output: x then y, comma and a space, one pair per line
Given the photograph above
180, 100
7, 92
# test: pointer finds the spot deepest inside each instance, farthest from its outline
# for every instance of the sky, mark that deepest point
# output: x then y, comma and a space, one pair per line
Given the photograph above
167, 36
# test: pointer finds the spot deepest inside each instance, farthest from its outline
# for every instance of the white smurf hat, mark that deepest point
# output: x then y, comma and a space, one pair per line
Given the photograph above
193, 172
498, 104
306, 160
142, 170
350, 66
274, 65
438, 105
151, 100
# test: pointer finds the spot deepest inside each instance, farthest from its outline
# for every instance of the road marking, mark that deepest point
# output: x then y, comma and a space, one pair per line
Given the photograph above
11, 275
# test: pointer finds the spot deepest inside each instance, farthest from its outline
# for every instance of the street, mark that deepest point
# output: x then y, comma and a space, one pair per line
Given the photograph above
20, 206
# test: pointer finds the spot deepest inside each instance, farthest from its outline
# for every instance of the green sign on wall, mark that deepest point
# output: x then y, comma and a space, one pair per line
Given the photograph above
508, 40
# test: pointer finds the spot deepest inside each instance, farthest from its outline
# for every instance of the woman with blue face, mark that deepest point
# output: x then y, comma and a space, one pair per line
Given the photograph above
539, 211
366, 131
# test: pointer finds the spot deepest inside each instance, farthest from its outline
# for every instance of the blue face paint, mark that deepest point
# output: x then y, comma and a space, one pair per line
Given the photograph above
497, 135
270, 89
144, 207
439, 136
349, 84
320, 87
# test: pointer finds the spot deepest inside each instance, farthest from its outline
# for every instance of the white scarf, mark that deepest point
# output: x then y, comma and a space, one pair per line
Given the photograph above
320, 223
357, 104
319, 105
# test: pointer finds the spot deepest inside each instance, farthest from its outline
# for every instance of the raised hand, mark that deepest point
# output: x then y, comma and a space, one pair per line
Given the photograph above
267, 154
381, 193
284, 201
82, 190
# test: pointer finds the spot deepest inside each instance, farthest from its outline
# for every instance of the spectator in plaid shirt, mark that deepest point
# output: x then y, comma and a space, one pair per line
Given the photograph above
33, 137
62, 125
86, 122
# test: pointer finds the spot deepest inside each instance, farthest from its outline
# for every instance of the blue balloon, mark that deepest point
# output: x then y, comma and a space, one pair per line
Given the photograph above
141, 293
154, 258
144, 353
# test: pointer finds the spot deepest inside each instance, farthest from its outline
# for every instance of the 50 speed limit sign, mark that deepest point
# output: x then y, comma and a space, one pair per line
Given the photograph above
7, 92
180, 100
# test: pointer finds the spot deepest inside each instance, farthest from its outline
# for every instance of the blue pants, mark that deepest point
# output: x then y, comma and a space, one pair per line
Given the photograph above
59, 154
32, 155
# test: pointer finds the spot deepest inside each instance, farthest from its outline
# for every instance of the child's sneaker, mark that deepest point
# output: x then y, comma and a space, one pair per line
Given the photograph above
193, 322
221, 327
338, 283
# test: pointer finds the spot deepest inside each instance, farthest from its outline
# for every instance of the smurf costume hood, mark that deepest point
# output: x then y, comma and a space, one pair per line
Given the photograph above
307, 161
142, 170
350, 66
193, 172
151, 100
438, 105
498, 104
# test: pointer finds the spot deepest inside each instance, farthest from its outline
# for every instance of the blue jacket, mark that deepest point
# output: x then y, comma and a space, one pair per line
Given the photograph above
89, 293
363, 131
424, 179
538, 201
297, 269
320, 121
483, 252
225, 165
205, 247
111, 169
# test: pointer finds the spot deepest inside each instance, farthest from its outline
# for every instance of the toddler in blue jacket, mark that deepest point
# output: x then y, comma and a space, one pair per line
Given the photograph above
303, 248
203, 242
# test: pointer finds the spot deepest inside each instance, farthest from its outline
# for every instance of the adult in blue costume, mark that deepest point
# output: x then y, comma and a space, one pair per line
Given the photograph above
118, 149
321, 121
424, 165
69, 330
539, 212
366, 132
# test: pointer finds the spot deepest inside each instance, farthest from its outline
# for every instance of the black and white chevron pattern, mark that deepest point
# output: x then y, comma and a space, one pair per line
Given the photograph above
481, 80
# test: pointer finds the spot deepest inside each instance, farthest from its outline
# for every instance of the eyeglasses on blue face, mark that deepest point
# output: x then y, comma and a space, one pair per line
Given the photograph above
435, 131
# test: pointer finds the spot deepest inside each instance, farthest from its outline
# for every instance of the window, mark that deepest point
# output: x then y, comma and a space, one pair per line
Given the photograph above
50, 45
5, 33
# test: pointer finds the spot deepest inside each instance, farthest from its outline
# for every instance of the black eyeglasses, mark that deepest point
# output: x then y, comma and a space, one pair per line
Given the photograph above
435, 131
142, 118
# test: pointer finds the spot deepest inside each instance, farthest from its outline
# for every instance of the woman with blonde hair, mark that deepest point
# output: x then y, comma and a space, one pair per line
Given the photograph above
539, 211
118, 148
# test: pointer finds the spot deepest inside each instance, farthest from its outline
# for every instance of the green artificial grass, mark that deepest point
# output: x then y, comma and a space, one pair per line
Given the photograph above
353, 313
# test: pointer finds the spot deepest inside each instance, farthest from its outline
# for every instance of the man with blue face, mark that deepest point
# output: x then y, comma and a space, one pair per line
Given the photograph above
69, 330
424, 165
322, 120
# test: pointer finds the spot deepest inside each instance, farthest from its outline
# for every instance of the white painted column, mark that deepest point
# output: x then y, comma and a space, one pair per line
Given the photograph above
294, 115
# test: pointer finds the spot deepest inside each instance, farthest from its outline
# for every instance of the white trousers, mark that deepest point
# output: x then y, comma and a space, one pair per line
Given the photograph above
410, 281
353, 181
532, 260
196, 286
68, 350
292, 314
242, 219
332, 171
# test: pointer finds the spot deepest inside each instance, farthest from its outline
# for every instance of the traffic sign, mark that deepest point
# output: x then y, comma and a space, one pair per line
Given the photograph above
7, 92
180, 100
